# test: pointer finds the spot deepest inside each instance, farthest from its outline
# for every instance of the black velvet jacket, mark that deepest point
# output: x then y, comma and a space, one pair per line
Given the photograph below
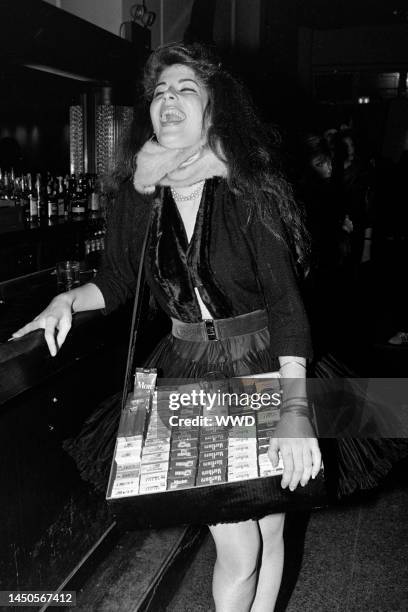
238, 266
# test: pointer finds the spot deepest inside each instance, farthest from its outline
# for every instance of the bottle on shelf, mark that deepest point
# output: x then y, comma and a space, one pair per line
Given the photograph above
93, 199
33, 199
78, 205
41, 198
52, 207
71, 191
25, 199
45, 199
17, 191
61, 198
67, 193
5, 187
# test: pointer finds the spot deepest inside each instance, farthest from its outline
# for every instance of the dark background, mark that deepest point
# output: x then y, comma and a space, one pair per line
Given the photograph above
311, 62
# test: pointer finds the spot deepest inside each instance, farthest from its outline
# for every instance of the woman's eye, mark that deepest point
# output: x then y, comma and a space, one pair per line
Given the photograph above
157, 93
188, 89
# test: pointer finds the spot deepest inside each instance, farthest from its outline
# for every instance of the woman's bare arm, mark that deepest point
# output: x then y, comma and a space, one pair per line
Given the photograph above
58, 314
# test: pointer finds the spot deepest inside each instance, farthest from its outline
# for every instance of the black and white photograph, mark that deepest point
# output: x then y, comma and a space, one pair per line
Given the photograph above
203, 305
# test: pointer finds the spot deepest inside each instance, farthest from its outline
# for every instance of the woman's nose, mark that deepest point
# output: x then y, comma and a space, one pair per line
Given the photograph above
169, 93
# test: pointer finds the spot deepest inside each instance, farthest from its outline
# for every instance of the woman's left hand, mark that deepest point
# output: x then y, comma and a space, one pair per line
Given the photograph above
295, 439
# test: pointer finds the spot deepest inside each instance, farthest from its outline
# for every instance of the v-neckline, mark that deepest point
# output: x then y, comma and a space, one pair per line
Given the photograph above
188, 244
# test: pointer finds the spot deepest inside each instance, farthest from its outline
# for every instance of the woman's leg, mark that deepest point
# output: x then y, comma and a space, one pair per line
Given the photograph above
235, 570
271, 563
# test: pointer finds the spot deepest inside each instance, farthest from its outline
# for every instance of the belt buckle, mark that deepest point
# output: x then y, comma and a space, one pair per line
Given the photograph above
210, 329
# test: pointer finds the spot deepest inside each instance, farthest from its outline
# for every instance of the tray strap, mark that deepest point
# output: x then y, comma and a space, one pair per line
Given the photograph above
140, 285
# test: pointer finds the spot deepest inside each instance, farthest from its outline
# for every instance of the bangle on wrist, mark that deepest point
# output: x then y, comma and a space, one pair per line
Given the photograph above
295, 401
296, 362
297, 411
295, 404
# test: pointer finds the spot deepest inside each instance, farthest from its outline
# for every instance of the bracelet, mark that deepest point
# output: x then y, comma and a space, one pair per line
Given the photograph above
297, 363
303, 400
288, 406
297, 411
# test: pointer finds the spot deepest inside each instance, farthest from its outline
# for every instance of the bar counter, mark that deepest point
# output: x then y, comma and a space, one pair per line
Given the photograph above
49, 518
26, 362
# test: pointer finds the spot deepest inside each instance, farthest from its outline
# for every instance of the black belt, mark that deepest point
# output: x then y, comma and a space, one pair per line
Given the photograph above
220, 329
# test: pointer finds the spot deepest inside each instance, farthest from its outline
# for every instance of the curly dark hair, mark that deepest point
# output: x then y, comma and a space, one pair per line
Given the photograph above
249, 148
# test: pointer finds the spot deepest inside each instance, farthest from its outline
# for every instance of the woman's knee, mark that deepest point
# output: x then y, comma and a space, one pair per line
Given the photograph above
238, 547
271, 528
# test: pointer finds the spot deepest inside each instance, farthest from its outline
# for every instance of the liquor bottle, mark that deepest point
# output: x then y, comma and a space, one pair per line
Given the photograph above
25, 199
17, 191
93, 199
79, 201
5, 192
69, 190
61, 199
32, 196
52, 209
41, 198
72, 192
11, 187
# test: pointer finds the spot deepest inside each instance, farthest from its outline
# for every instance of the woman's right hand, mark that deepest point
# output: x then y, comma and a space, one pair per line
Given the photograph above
295, 438
57, 316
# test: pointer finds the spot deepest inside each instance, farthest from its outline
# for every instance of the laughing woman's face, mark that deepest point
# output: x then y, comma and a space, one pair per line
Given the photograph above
177, 108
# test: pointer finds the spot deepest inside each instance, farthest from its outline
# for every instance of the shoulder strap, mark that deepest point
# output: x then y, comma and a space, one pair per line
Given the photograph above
136, 311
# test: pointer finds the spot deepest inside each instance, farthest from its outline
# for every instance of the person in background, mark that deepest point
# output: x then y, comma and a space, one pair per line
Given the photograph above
352, 179
331, 232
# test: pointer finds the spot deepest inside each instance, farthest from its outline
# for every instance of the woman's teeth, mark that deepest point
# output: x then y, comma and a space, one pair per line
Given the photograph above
171, 115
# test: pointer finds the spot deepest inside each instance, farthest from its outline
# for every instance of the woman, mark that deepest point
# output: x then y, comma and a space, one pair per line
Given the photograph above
223, 229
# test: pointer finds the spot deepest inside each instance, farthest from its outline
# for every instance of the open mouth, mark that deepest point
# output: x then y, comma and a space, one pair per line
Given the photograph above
171, 115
